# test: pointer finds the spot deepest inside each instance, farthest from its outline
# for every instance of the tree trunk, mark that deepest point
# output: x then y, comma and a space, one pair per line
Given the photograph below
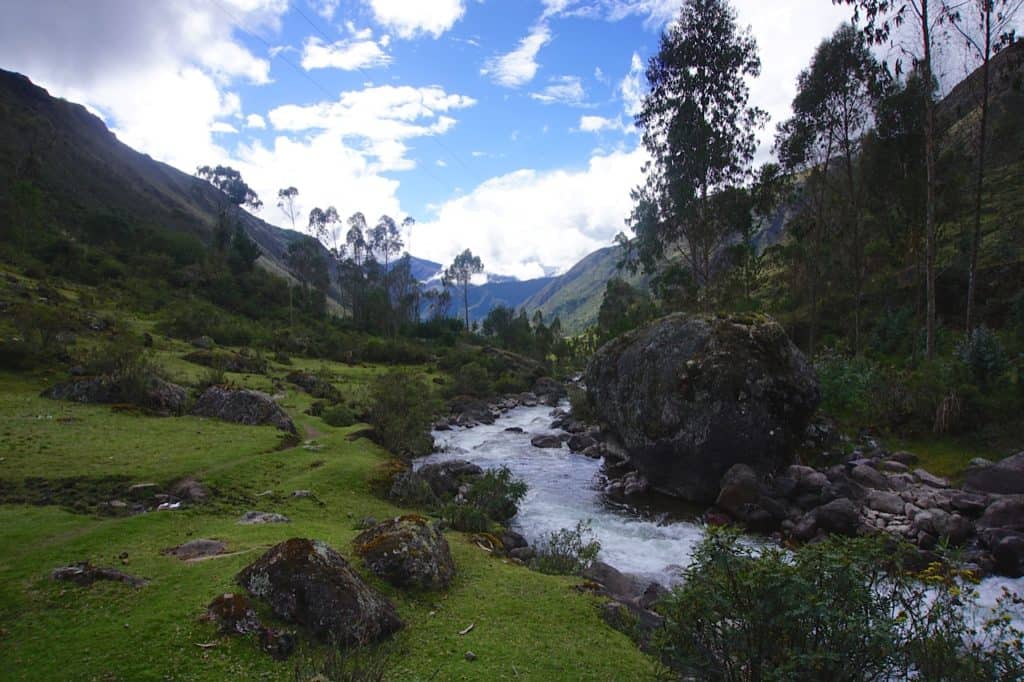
972, 278
465, 301
929, 223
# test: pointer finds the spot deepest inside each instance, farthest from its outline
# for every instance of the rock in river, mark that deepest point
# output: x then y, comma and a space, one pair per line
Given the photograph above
689, 396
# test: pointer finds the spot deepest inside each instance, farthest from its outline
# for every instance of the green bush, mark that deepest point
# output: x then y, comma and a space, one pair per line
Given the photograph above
339, 416
401, 410
983, 355
582, 409
843, 609
893, 332
473, 380
491, 499
847, 383
567, 551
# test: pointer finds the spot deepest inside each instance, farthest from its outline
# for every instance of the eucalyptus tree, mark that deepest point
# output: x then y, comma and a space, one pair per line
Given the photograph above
885, 21
986, 27
229, 181
832, 114
700, 129
323, 224
286, 202
461, 272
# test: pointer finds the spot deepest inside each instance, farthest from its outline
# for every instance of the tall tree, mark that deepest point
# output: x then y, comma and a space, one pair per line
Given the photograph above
323, 224
229, 182
306, 259
700, 129
922, 19
461, 272
286, 202
832, 113
986, 26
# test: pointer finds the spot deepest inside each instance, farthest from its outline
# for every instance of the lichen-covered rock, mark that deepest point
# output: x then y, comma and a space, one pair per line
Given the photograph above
229, 362
196, 549
242, 406
85, 574
407, 551
308, 583
151, 393
315, 386
233, 614
689, 396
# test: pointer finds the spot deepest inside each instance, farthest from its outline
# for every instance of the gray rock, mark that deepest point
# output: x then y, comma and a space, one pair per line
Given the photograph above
838, 516
155, 394
407, 551
254, 518
690, 395
869, 477
617, 585
1005, 477
580, 443
1007, 512
968, 503
308, 583
930, 479
242, 406
882, 501
739, 488
522, 553
546, 442
196, 549
445, 478
893, 467
204, 342
940, 524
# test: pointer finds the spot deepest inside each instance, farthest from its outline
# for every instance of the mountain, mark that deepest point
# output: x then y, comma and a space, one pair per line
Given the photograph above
423, 270
84, 171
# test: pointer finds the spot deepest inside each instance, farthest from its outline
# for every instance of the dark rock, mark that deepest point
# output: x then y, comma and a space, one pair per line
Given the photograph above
143, 491
85, 574
528, 400
522, 553
228, 362
280, 644
652, 594
546, 441
315, 386
1005, 477
546, 386
196, 549
204, 342
940, 524
869, 477
254, 518
1008, 553
514, 429
838, 516
632, 620
930, 480
581, 442
882, 501
471, 411
512, 540
1007, 512
190, 489
445, 478
469, 656
903, 457
893, 467
407, 551
155, 394
233, 614
739, 488
242, 406
617, 585
308, 583
969, 503
690, 396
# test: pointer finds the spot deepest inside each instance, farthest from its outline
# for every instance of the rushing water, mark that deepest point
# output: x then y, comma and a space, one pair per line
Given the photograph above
563, 489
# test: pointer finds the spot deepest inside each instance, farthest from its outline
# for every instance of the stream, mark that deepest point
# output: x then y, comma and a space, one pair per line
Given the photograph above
564, 489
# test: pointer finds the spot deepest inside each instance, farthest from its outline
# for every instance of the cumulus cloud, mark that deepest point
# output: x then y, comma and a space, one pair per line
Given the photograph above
598, 124
255, 121
562, 90
632, 86
522, 222
347, 55
519, 66
410, 18
380, 117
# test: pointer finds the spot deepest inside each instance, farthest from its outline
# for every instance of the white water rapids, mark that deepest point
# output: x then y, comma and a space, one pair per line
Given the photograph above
563, 490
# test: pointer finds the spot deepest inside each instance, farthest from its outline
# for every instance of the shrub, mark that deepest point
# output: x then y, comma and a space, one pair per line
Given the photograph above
343, 664
983, 355
846, 383
582, 409
339, 416
491, 499
567, 551
473, 380
843, 609
893, 332
410, 490
401, 409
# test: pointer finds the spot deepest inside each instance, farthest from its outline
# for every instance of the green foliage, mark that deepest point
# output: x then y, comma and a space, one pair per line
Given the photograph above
622, 309
847, 383
339, 416
983, 355
394, 352
191, 319
473, 380
582, 408
837, 610
567, 551
893, 332
491, 499
344, 664
401, 409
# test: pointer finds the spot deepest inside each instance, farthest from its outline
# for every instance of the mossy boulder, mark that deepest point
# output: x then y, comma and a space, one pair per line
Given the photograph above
315, 386
229, 362
407, 551
308, 583
149, 392
242, 406
689, 396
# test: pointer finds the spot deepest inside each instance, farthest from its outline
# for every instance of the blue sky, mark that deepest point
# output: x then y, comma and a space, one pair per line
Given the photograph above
500, 125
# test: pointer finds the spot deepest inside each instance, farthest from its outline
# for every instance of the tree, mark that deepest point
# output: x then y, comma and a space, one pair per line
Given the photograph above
306, 259
986, 27
323, 225
286, 202
461, 271
229, 182
622, 308
922, 17
832, 113
699, 128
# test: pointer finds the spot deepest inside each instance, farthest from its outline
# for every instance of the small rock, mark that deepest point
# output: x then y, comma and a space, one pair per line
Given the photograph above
85, 574
522, 553
546, 442
470, 656
904, 457
196, 549
233, 614
882, 501
869, 477
251, 518
893, 467
280, 644
930, 479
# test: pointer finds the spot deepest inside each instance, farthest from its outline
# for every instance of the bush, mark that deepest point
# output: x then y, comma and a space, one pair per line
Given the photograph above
847, 383
339, 416
843, 609
473, 380
401, 410
893, 332
491, 499
582, 409
983, 355
567, 551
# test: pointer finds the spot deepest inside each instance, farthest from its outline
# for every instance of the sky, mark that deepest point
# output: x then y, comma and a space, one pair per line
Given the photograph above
502, 126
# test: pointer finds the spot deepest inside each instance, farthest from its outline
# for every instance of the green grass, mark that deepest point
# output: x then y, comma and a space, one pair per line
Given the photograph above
527, 625
945, 456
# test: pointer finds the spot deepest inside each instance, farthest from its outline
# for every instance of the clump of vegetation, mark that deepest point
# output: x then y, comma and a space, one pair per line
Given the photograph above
343, 664
401, 409
983, 355
338, 416
491, 499
567, 551
582, 409
471, 380
838, 610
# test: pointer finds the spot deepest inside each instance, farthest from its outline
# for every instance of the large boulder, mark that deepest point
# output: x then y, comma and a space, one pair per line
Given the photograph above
307, 583
407, 551
149, 392
242, 406
689, 396
1005, 477
445, 478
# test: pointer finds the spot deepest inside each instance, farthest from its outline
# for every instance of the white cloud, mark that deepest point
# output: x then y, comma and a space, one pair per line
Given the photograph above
632, 86
519, 66
527, 220
347, 55
255, 121
380, 117
656, 13
222, 127
326, 8
597, 124
410, 18
563, 90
